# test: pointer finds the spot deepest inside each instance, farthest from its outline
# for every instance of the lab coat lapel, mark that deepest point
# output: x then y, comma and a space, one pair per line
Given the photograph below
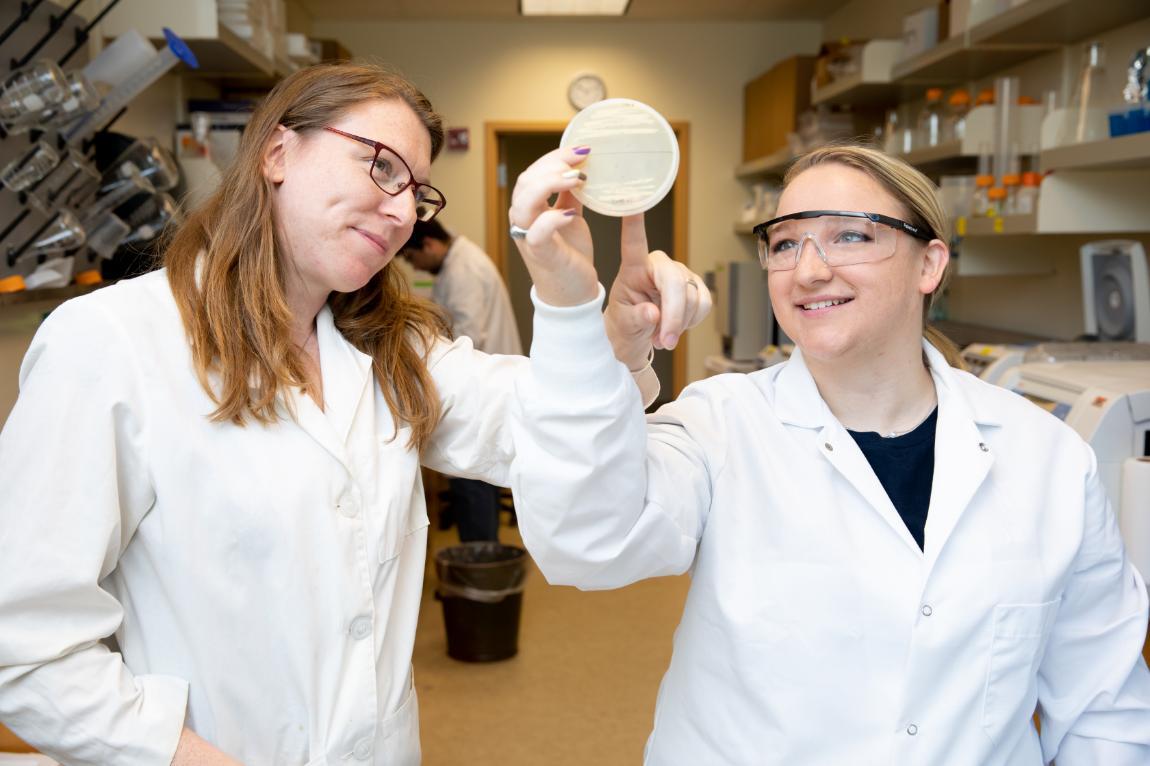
798, 403
962, 457
346, 374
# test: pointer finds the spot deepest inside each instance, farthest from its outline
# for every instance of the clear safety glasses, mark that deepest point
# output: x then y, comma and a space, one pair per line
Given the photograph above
392, 174
840, 237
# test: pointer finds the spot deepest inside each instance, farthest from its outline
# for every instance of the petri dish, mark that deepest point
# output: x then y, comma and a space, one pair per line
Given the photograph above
634, 156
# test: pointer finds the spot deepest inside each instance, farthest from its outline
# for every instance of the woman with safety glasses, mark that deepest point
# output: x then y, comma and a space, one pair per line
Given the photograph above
892, 562
219, 462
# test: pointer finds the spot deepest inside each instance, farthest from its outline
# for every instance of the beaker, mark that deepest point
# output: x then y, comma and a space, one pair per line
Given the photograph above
105, 233
117, 193
82, 98
62, 233
29, 91
148, 220
30, 168
151, 160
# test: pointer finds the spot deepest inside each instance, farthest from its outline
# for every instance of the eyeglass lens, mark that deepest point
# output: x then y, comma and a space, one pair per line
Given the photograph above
391, 174
840, 241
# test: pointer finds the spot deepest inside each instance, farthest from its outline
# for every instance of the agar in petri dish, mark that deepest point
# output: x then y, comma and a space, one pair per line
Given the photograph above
634, 156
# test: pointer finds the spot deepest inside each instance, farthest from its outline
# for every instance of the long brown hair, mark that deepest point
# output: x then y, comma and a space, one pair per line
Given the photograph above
227, 270
919, 199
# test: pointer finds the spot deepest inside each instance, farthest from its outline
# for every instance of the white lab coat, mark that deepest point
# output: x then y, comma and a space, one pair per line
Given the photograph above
265, 581
815, 631
470, 288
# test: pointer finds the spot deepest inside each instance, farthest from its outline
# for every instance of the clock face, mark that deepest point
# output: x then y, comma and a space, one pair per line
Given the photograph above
585, 90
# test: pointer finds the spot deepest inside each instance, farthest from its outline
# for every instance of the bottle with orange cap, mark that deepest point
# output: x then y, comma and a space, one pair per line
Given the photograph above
958, 106
930, 119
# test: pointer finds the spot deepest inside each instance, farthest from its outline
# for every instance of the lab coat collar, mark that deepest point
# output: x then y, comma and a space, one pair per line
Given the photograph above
347, 375
798, 402
962, 455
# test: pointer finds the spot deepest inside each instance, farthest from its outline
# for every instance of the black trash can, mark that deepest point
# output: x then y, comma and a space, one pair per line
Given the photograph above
481, 587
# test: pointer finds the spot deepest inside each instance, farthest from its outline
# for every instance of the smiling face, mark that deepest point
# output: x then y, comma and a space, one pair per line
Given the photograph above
855, 312
339, 229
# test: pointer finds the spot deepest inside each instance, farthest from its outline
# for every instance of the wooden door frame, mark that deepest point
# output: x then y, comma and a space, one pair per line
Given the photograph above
496, 213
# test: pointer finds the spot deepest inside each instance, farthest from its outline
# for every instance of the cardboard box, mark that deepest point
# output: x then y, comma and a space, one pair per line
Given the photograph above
332, 50
919, 32
772, 103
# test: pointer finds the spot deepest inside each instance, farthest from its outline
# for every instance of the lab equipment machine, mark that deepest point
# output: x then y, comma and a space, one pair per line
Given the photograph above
1108, 404
742, 309
1116, 290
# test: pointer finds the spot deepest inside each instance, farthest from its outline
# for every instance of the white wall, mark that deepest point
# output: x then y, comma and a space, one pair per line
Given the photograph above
477, 72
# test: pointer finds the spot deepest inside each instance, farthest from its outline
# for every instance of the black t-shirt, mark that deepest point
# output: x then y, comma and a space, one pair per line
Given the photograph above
904, 466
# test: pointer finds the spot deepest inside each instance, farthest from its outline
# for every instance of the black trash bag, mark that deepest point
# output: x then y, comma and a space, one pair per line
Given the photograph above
481, 587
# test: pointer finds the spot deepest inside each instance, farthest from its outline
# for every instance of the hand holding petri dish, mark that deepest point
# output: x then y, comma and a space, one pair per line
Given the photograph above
634, 156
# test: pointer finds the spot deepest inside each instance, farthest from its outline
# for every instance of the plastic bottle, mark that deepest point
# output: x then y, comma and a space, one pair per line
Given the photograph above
930, 119
983, 181
1026, 201
958, 105
1011, 180
996, 201
1089, 95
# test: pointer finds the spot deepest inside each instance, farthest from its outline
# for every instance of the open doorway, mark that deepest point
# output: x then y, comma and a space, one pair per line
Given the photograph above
511, 148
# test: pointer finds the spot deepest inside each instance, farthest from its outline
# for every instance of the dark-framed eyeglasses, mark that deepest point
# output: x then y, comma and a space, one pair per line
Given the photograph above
840, 237
393, 176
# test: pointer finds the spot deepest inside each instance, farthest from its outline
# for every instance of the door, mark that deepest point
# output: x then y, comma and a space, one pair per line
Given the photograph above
515, 148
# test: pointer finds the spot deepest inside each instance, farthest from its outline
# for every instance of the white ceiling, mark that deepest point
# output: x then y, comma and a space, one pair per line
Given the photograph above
648, 10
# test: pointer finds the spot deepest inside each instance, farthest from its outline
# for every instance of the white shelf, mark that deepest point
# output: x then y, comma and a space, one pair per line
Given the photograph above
774, 164
872, 84
1131, 151
1017, 35
1006, 225
220, 51
1079, 202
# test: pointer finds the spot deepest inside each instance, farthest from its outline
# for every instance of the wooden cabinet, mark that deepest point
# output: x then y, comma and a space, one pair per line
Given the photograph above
772, 103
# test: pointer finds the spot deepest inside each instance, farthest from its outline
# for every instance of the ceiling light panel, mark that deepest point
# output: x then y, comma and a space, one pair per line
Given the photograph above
573, 7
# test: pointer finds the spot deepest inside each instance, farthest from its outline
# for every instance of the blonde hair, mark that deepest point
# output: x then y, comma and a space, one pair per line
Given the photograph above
918, 197
227, 269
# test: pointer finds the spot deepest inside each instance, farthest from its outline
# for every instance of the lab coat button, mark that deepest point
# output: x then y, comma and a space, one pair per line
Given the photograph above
912, 730
829, 446
362, 749
926, 610
360, 628
348, 506
982, 446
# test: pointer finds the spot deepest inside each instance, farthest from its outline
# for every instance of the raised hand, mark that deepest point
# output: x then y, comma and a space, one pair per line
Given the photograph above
554, 240
653, 300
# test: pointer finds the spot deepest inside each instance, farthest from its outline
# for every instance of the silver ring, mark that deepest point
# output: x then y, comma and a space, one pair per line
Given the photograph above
517, 232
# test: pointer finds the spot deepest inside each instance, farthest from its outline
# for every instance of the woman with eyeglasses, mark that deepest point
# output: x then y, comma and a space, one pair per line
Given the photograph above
892, 562
219, 462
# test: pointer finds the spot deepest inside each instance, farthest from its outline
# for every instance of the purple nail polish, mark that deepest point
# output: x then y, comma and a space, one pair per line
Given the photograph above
569, 212
583, 150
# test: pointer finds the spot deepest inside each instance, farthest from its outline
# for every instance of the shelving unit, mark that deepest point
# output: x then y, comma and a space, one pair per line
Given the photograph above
872, 85
774, 164
1079, 202
1015, 36
1131, 151
221, 52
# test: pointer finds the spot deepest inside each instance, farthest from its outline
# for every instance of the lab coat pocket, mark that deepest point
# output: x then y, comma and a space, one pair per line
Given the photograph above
1020, 632
398, 735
